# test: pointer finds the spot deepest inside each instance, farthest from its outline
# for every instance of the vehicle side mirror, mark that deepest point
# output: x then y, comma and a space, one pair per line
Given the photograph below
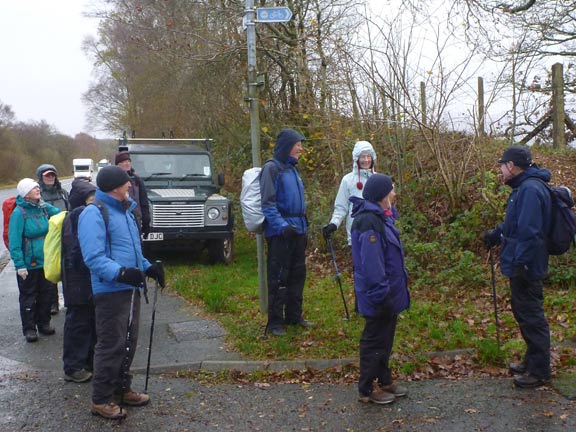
221, 179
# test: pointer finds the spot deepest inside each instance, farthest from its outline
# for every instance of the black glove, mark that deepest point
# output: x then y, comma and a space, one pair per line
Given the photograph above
156, 271
290, 232
131, 276
145, 230
490, 238
328, 230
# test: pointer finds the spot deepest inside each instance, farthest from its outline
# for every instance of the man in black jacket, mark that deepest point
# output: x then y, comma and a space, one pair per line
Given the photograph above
137, 192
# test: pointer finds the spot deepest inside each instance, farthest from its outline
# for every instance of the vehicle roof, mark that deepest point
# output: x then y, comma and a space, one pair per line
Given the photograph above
180, 148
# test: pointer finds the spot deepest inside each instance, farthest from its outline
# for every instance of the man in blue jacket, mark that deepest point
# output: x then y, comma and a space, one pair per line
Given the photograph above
111, 248
380, 284
285, 227
524, 259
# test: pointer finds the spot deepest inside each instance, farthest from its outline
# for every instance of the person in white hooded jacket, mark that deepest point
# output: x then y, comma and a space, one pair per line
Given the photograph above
364, 158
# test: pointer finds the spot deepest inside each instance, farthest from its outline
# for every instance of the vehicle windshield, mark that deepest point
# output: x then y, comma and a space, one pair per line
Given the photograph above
171, 165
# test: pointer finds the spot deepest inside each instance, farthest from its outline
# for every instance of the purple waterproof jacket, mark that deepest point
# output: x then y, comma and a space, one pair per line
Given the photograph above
379, 271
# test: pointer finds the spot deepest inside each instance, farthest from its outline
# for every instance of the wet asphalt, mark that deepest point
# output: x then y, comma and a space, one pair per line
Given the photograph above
35, 397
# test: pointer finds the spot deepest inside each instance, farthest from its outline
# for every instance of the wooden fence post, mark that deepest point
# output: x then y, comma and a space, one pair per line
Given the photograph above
558, 131
423, 102
481, 129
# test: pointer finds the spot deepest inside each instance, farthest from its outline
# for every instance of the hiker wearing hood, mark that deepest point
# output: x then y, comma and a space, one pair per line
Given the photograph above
352, 184
80, 323
285, 228
50, 187
52, 193
524, 259
26, 232
381, 286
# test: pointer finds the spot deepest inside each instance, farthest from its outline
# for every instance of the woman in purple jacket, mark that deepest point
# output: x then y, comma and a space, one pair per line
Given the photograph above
381, 286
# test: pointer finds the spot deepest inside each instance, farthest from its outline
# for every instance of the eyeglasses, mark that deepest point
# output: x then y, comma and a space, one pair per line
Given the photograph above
49, 175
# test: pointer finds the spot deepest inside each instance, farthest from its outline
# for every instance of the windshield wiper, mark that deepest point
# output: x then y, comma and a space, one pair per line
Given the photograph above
156, 174
185, 176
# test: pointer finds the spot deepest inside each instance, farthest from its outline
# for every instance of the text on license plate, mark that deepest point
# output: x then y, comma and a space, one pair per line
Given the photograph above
155, 236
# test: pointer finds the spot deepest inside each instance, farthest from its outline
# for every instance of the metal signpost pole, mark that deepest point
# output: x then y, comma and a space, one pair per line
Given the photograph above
253, 101
252, 16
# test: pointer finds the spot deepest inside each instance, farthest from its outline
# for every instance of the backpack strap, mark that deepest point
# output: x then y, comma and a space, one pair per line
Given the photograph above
106, 217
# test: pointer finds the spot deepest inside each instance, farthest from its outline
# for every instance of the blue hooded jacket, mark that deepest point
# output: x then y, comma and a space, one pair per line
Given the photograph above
378, 255
106, 254
527, 222
281, 188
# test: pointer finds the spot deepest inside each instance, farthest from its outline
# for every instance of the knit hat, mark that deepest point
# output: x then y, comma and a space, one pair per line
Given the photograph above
25, 186
121, 157
284, 143
377, 187
111, 177
520, 155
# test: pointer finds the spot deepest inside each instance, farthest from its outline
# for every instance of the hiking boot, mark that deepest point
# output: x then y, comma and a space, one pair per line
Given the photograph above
396, 389
135, 399
46, 329
78, 376
377, 396
31, 335
108, 410
530, 381
305, 323
517, 368
277, 331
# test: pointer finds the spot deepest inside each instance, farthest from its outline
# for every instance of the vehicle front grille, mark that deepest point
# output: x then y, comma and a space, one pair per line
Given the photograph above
176, 216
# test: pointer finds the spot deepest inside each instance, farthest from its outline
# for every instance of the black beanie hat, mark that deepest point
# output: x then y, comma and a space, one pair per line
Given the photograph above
121, 157
520, 155
111, 177
377, 187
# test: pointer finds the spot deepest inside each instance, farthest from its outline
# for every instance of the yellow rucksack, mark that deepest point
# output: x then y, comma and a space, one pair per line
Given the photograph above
53, 248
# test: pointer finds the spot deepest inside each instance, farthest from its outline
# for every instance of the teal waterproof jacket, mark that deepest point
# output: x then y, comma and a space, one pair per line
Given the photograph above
26, 232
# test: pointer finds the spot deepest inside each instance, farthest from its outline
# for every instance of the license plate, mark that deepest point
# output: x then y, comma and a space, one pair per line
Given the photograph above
155, 236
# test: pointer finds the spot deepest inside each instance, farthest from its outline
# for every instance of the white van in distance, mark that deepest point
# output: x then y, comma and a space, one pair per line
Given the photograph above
83, 168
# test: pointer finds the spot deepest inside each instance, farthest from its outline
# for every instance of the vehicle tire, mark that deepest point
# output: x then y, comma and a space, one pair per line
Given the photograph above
221, 251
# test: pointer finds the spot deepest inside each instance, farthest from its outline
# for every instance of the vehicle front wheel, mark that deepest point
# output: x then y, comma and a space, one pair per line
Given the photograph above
221, 251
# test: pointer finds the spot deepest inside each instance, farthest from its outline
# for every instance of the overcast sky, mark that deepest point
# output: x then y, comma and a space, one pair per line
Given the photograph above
43, 71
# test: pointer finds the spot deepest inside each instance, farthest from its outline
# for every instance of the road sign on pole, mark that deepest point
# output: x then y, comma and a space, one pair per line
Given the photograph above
273, 14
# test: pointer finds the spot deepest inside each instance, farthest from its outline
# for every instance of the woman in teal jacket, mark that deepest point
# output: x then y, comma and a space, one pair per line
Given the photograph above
26, 232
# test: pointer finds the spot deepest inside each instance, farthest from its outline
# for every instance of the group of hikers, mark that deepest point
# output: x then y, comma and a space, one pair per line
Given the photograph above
103, 274
365, 199
104, 271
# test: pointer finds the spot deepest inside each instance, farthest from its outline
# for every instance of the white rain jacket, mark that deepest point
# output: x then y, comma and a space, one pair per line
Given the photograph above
349, 187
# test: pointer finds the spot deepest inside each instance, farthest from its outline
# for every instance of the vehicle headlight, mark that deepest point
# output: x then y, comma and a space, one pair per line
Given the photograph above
213, 213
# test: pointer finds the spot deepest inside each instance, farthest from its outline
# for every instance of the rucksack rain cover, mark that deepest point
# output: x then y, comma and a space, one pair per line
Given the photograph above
250, 200
53, 248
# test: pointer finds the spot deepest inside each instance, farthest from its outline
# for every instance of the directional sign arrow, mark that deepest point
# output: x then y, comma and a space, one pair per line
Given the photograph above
273, 14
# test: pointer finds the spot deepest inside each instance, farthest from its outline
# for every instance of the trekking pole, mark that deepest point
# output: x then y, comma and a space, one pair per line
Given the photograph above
159, 264
493, 278
127, 348
329, 241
